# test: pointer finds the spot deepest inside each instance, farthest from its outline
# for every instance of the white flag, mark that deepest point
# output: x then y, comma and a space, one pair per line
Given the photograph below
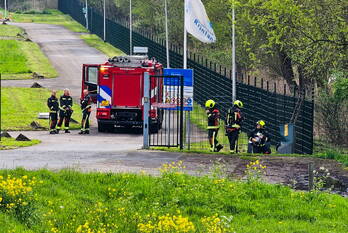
197, 21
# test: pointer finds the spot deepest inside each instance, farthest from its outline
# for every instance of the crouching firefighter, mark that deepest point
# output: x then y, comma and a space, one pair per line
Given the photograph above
86, 106
213, 125
233, 124
53, 105
259, 141
65, 110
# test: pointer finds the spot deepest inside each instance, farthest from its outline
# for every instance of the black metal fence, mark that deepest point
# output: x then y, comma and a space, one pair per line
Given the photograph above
262, 99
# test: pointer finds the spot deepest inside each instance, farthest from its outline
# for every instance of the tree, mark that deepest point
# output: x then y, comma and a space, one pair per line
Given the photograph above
303, 41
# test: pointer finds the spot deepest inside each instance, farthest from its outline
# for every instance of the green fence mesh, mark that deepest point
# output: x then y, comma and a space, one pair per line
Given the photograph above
211, 81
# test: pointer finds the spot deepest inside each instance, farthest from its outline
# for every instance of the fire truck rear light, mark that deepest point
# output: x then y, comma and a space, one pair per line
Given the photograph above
103, 114
104, 69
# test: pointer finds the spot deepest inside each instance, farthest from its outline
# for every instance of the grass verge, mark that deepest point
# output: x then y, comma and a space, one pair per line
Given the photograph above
20, 58
10, 31
49, 16
11, 143
104, 47
20, 106
69, 201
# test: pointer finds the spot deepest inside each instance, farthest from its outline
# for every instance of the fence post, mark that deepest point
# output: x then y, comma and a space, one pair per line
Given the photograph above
181, 112
310, 176
146, 101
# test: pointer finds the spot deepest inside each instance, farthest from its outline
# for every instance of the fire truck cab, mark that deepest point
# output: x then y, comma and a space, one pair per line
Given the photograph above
117, 89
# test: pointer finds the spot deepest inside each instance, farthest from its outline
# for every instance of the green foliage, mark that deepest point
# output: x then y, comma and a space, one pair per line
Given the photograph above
20, 106
341, 87
311, 34
68, 200
11, 143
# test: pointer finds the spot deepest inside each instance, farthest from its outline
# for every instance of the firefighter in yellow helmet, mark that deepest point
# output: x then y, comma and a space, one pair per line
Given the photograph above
259, 140
213, 115
233, 124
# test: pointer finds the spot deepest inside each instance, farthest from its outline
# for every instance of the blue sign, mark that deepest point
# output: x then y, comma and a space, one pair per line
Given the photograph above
170, 95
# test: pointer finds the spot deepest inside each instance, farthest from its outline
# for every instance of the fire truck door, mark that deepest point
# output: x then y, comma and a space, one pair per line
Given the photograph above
90, 80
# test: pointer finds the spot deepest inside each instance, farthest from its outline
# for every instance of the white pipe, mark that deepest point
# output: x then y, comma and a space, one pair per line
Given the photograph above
5, 13
130, 27
167, 37
104, 22
233, 56
86, 14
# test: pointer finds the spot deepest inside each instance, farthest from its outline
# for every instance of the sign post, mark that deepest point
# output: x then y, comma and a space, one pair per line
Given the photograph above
187, 95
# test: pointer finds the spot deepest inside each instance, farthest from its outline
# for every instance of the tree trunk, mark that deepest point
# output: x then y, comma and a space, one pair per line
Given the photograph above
287, 70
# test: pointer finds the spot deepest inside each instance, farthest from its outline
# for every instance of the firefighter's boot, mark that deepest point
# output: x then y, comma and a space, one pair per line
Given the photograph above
67, 131
82, 132
219, 147
52, 132
87, 131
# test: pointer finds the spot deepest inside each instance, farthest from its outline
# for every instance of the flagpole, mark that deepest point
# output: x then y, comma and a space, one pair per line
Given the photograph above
104, 22
233, 56
185, 37
130, 27
167, 37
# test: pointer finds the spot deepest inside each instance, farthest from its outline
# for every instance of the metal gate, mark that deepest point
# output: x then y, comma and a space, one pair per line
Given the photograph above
166, 111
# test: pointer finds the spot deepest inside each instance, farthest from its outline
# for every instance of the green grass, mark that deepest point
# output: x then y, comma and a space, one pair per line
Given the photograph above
106, 48
119, 202
49, 17
9, 31
12, 59
19, 58
11, 143
20, 106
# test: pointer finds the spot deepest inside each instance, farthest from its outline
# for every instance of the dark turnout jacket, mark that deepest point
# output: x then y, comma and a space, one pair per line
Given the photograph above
53, 104
65, 102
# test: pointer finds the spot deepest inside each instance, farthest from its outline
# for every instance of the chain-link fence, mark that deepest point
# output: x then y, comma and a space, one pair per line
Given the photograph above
29, 5
267, 100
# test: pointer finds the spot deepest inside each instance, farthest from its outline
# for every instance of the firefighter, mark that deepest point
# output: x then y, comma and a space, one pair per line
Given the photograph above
233, 124
259, 141
213, 115
65, 110
86, 106
53, 105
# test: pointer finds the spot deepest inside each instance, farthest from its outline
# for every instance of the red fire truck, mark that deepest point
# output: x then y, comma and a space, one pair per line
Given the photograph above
117, 89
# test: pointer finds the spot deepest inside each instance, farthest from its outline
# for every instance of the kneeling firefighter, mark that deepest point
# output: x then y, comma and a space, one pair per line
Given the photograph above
213, 115
233, 124
259, 141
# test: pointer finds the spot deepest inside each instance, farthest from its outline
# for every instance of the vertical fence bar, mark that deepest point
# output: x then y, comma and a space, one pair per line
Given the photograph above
181, 112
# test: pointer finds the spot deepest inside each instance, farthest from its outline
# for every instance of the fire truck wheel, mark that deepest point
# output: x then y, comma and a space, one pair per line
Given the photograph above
101, 127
